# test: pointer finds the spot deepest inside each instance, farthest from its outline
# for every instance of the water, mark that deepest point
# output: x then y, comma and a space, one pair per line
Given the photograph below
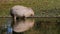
32, 25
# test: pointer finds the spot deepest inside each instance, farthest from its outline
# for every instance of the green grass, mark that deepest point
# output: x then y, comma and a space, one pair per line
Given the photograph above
36, 5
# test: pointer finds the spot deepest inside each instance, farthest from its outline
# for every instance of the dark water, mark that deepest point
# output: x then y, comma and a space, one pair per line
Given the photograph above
35, 25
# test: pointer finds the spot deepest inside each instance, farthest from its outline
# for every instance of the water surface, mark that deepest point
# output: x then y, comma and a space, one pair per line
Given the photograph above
39, 25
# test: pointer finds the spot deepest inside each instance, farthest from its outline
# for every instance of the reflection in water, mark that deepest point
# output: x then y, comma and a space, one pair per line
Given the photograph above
46, 27
28, 26
23, 25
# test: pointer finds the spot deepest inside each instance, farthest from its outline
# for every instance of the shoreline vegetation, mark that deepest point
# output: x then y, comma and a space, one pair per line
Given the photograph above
41, 7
